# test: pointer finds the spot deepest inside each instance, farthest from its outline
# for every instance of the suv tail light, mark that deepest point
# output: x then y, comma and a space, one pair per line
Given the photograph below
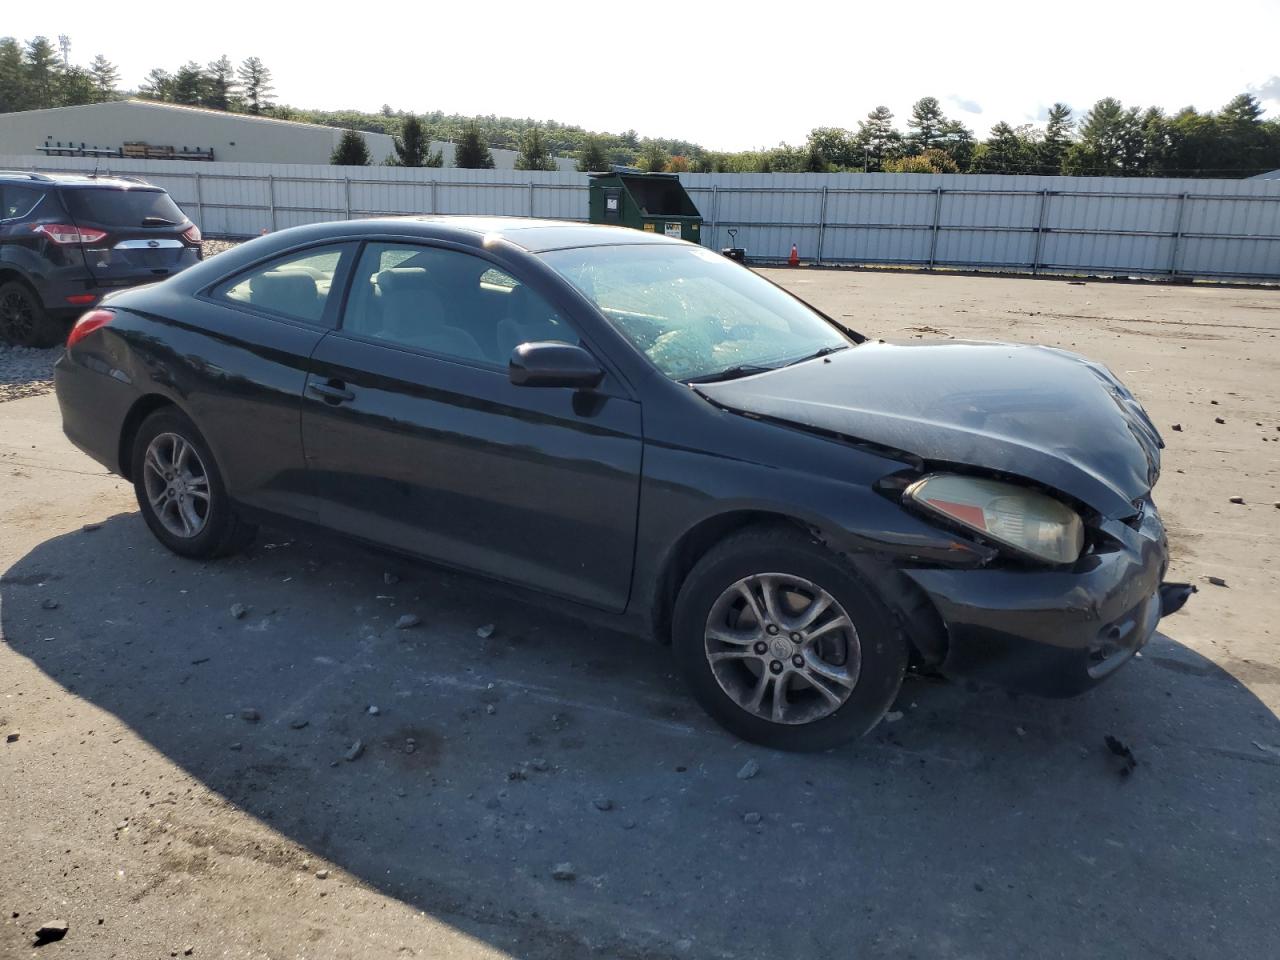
191, 234
66, 234
88, 322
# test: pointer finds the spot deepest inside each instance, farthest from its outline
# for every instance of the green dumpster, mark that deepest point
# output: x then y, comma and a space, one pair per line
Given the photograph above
654, 202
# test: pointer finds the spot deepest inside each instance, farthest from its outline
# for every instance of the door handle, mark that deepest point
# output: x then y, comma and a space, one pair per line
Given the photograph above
334, 391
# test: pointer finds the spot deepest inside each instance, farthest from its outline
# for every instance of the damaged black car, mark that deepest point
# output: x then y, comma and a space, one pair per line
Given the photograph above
655, 435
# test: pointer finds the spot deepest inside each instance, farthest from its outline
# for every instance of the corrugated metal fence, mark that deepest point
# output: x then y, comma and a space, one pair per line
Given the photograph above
1223, 229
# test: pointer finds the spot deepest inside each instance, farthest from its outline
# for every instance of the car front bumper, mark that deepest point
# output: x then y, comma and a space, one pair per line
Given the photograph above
1055, 632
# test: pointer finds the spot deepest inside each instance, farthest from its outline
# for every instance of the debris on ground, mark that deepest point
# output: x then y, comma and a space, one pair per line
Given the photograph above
407, 621
390, 578
353, 753
250, 714
602, 804
751, 818
1218, 420
48, 603
1176, 428
238, 610
299, 723
51, 932
749, 770
1267, 748
1237, 499
11, 736
236, 746
1217, 581
893, 716
322, 874
1020, 731
1127, 760
485, 632
564, 872
91, 527
373, 710
539, 764
490, 709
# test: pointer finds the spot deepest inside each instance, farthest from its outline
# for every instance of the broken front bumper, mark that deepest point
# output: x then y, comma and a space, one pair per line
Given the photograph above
1056, 632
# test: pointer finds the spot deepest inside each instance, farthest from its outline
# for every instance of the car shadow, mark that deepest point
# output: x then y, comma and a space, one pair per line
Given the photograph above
974, 824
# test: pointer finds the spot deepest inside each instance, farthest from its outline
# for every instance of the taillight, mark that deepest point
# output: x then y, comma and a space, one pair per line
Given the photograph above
191, 234
66, 234
88, 323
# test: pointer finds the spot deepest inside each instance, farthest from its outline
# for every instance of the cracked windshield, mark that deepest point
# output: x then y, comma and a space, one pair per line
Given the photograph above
694, 314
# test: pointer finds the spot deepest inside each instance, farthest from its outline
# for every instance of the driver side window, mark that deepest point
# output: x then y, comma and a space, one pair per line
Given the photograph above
446, 302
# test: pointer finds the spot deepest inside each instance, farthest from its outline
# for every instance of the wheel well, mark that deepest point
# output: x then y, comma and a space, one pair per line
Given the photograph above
690, 548
141, 409
7, 275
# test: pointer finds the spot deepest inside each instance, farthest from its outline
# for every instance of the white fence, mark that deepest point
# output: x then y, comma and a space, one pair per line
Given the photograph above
1226, 229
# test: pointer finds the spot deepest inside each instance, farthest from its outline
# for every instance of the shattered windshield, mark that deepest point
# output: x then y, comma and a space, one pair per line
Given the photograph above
693, 313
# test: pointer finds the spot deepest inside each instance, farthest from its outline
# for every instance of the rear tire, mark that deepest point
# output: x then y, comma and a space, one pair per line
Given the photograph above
24, 320
180, 489
769, 588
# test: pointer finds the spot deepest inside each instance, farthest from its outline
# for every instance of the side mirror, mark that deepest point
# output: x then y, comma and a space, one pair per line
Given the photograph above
549, 363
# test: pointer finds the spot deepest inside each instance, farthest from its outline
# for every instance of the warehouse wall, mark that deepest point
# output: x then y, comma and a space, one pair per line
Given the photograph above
1227, 229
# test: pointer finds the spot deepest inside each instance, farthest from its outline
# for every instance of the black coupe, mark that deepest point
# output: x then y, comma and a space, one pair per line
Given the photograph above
654, 433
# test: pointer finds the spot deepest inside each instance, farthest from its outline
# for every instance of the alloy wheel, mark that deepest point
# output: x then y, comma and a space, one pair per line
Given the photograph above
17, 317
782, 648
177, 485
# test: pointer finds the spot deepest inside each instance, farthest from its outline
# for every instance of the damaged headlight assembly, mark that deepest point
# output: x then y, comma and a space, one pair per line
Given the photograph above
1025, 520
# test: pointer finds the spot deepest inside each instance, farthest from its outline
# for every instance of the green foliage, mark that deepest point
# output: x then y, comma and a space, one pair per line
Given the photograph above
105, 78
256, 80
1052, 150
836, 146
534, 154
14, 94
653, 158
592, 157
41, 69
220, 86
877, 140
927, 124
76, 86
413, 146
189, 85
1006, 151
932, 160
472, 150
158, 85
351, 150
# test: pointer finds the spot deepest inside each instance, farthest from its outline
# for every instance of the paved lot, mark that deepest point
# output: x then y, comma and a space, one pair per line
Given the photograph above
140, 806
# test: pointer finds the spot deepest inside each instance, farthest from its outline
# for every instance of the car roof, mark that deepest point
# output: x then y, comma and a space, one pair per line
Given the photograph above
78, 180
534, 236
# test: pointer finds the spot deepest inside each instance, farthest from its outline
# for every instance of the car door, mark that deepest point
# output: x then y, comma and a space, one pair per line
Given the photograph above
417, 439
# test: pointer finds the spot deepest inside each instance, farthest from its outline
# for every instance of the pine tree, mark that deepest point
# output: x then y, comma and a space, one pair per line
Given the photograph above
412, 146
76, 86
158, 85
926, 124
472, 152
220, 85
41, 69
256, 80
105, 76
534, 154
13, 85
1057, 140
190, 86
351, 150
652, 159
592, 158
877, 139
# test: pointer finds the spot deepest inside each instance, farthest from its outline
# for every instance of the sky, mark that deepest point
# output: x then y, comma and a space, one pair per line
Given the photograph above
729, 76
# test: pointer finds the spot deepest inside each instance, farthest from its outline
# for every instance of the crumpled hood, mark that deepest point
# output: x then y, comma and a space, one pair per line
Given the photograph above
1031, 411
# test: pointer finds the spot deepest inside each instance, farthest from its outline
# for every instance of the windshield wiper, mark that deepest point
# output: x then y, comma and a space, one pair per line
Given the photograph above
732, 373
820, 353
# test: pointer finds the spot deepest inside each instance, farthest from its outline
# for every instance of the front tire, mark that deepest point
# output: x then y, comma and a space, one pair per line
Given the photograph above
180, 490
783, 644
24, 320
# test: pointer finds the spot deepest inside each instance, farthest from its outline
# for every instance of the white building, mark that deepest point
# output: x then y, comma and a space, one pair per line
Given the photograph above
146, 128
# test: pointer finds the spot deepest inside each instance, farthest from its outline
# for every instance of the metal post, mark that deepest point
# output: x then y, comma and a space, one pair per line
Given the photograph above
822, 223
937, 214
1040, 231
199, 201
531, 197
347, 186
435, 204
1177, 236
715, 213
271, 200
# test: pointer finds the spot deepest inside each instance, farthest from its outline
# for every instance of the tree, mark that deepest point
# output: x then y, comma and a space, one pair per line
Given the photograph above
836, 145
930, 161
534, 154
956, 141
413, 146
1052, 150
1111, 142
189, 85
256, 80
158, 85
678, 164
1240, 126
105, 76
472, 152
877, 139
592, 158
76, 86
926, 124
13, 85
1005, 151
351, 150
220, 87
41, 69
652, 159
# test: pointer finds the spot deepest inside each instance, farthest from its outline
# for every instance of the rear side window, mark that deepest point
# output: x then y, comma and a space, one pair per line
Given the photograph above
296, 285
115, 207
16, 201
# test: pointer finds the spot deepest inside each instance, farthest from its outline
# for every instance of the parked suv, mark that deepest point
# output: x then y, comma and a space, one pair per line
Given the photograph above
66, 241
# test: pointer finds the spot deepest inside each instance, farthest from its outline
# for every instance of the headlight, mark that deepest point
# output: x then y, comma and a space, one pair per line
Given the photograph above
1027, 521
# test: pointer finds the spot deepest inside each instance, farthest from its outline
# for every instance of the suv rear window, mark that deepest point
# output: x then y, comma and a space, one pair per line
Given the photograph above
16, 201
122, 208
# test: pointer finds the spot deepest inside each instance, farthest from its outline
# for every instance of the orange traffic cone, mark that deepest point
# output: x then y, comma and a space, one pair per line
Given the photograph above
794, 259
